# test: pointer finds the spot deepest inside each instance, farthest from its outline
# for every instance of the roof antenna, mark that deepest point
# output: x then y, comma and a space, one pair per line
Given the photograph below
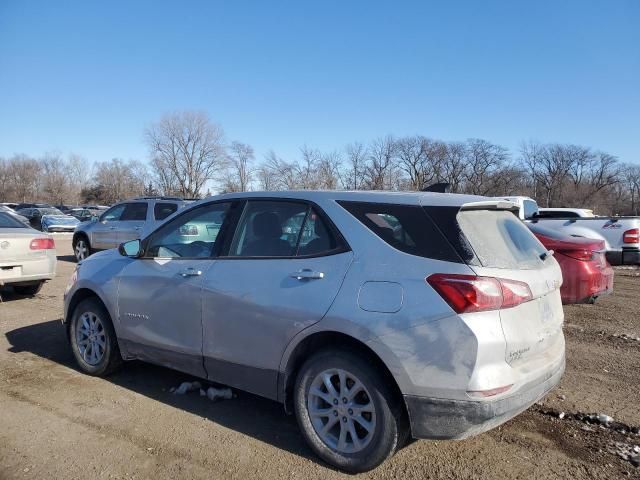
441, 187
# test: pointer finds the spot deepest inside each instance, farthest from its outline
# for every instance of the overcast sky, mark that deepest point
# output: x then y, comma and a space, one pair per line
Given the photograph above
87, 77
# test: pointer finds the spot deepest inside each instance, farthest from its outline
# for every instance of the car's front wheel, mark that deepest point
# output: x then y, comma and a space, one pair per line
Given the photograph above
93, 339
81, 248
346, 412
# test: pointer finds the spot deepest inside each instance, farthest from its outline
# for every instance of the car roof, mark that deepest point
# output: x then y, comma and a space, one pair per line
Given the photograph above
401, 198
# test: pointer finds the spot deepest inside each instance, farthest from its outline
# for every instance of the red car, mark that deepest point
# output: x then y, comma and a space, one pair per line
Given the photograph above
585, 271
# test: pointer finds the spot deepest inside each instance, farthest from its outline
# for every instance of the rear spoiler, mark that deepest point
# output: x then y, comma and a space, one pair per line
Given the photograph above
491, 205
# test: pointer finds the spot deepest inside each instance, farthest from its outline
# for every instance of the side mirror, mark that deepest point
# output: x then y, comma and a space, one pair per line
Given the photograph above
131, 249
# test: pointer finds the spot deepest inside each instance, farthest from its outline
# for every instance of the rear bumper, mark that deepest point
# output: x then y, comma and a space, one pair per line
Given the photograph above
586, 285
435, 418
626, 256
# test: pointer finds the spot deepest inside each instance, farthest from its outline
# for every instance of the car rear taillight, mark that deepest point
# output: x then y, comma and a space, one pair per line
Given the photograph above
470, 293
631, 236
42, 244
578, 254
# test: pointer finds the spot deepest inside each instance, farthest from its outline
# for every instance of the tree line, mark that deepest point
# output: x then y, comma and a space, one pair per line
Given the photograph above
189, 155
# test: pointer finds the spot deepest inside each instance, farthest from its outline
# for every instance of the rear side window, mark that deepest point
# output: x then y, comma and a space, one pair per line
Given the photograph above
135, 212
499, 239
282, 229
405, 227
530, 208
163, 210
557, 214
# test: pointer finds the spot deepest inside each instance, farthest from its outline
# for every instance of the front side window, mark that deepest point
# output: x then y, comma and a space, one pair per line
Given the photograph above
281, 229
191, 235
113, 214
135, 212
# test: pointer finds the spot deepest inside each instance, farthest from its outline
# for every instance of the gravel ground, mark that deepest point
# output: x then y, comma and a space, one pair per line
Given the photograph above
58, 423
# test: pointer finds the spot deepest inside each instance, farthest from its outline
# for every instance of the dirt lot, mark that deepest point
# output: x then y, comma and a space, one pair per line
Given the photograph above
57, 423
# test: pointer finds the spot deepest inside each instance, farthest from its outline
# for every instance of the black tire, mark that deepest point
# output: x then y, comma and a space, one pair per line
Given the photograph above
28, 290
391, 428
76, 241
111, 359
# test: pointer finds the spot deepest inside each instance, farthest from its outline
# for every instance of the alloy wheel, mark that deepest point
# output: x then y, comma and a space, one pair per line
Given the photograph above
91, 338
341, 410
82, 250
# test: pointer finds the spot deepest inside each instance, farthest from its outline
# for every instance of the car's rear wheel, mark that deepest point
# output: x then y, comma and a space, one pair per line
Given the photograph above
93, 339
81, 248
346, 412
28, 290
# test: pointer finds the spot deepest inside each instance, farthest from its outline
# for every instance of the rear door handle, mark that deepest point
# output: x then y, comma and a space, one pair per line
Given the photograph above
112, 228
191, 272
306, 274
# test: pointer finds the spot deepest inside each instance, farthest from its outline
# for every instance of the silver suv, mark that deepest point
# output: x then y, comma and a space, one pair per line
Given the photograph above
122, 222
371, 316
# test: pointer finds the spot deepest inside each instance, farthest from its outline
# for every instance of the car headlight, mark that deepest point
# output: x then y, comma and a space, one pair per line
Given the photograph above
72, 280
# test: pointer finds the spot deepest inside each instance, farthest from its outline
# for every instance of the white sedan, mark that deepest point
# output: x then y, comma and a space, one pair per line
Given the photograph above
27, 257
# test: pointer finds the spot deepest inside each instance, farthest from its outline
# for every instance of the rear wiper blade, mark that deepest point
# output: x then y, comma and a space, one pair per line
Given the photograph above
543, 256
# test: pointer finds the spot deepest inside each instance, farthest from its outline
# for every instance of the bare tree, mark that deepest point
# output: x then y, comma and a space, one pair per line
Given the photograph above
119, 180
454, 166
80, 171
412, 160
239, 173
24, 173
484, 160
353, 176
56, 183
328, 170
189, 147
379, 171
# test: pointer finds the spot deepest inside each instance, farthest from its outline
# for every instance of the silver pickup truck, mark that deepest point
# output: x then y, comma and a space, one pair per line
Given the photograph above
621, 235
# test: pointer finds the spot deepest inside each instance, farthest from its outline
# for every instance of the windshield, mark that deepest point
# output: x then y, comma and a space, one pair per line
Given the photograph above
7, 221
50, 211
65, 220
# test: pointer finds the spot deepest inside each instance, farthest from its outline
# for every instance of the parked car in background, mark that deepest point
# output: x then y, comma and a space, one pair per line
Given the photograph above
372, 316
35, 215
58, 223
565, 213
64, 208
621, 235
14, 214
20, 206
27, 257
11, 205
82, 214
585, 271
124, 221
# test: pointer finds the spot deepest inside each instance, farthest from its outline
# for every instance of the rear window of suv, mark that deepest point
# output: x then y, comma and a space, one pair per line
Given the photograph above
488, 238
499, 239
